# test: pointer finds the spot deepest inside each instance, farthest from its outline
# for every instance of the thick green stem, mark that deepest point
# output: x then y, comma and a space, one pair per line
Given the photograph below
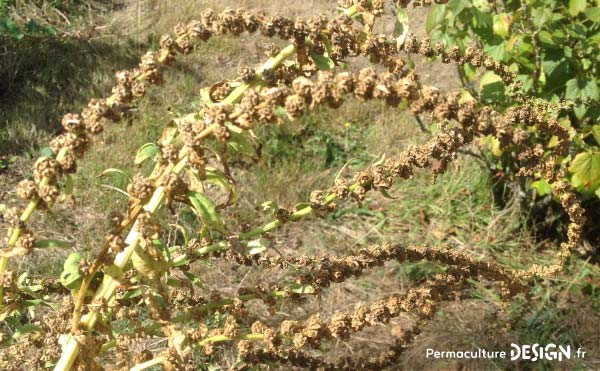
109, 285
223, 338
15, 233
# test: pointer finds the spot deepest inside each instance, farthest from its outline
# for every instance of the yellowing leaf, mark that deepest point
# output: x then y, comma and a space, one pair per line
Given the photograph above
501, 24
586, 166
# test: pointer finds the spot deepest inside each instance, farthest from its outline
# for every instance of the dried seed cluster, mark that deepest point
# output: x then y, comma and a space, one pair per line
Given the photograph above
288, 86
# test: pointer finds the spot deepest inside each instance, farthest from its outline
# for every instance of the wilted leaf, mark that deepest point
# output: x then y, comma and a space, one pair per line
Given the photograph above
401, 26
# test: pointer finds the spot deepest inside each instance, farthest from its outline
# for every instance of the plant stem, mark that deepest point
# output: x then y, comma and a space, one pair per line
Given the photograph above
15, 233
109, 284
223, 338
148, 364
305, 211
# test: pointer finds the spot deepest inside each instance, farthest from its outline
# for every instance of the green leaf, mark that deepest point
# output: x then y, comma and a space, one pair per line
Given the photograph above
586, 166
501, 24
26, 329
457, 6
52, 243
596, 133
70, 276
50, 30
386, 194
205, 97
401, 26
582, 89
205, 208
116, 171
33, 27
491, 87
497, 51
436, 16
148, 150
193, 278
214, 176
130, 294
576, 7
542, 187
67, 188
270, 205
593, 14
322, 62
241, 142
580, 111
47, 152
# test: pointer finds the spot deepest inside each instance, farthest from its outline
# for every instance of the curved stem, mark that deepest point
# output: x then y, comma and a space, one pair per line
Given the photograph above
109, 285
15, 233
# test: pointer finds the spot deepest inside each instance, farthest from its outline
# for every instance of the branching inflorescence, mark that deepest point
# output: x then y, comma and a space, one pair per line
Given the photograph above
288, 87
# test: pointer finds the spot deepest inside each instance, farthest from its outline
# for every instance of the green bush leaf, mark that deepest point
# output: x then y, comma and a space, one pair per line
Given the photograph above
596, 133
214, 176
542, 187
435, 17
47, 152
501, 24
586, 166
497, 51
582, 89
576, 7
491, 87
593, 14
241, 142
193, 278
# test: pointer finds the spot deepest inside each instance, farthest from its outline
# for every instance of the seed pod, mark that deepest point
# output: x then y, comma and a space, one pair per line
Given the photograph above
26, 189
44, 167
48, 193
294, 106
141, 187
